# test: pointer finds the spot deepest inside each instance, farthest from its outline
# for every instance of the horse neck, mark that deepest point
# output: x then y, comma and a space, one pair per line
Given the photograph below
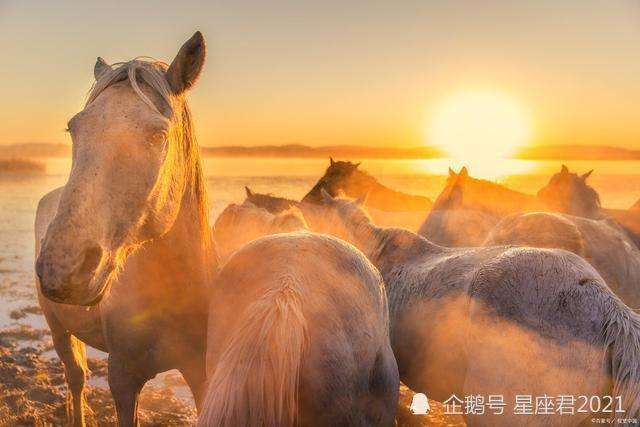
504, 201
314, 195
368, 184
183, 257
387, 248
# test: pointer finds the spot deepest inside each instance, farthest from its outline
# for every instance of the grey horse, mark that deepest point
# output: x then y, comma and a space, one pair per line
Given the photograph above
497, 320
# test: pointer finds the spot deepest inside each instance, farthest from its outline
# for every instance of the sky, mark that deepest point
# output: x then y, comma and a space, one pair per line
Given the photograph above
336, 72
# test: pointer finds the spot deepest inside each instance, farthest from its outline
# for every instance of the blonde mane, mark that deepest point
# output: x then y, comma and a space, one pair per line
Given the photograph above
182, 144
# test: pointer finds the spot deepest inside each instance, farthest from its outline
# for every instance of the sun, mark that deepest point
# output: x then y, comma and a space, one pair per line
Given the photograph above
479, 125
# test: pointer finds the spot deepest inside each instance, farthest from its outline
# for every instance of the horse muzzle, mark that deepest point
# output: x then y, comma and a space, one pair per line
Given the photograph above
76, 284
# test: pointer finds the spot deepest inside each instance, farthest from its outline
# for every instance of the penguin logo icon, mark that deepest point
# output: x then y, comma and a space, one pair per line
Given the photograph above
420, 404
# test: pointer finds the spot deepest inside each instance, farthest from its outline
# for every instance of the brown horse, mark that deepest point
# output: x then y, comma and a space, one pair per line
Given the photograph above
356, 183
298, 335
124, 251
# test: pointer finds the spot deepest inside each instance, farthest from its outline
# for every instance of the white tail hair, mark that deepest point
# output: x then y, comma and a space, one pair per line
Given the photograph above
255, 382
622, 337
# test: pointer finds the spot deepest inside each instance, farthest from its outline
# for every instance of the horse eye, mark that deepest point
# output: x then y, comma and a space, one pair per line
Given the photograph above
159, 138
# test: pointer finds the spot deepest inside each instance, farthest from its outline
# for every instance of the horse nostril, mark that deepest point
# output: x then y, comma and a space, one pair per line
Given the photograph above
90, 261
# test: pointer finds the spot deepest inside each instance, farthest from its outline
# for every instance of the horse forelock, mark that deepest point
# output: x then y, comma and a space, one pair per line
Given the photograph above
181, 138
151, 72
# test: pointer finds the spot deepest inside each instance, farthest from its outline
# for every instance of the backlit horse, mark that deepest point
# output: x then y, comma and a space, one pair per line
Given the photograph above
298, 333
124, 250
497, 320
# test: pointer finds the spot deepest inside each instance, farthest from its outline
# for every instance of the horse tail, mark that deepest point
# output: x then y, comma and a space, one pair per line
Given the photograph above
255, 382
622, 338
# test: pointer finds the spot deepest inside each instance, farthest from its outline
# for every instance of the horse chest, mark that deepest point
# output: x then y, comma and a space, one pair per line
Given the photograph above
146, 314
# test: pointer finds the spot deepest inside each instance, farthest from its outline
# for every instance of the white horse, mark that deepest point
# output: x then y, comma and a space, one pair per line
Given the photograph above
133, 218
497, 320
298, 335
240, 224
601, 242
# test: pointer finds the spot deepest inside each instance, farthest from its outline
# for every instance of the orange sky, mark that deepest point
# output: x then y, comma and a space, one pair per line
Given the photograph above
336, 72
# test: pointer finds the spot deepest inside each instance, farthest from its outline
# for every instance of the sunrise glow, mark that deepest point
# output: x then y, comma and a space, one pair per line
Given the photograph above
479, 125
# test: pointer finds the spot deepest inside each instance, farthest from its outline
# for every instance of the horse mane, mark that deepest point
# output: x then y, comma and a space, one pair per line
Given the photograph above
363, 177
367, 177
182, 139
621, 336
495, 187
269, 202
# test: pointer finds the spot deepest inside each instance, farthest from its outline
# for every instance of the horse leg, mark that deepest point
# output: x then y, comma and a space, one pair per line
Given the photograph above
73, 355
125, 387
195, 376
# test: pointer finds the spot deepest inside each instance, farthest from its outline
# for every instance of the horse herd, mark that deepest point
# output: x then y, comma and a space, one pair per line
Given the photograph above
311, 312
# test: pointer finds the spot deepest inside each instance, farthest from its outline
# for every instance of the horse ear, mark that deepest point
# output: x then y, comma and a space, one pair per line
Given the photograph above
452, 173
187, 65
100, 68
326, 197
586, 175
355, 166
464, 172
564, 169
331, 161
248, 191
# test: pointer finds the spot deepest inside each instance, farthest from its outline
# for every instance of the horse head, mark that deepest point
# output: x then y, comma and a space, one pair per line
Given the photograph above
134, 160
569, 193
337, 177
